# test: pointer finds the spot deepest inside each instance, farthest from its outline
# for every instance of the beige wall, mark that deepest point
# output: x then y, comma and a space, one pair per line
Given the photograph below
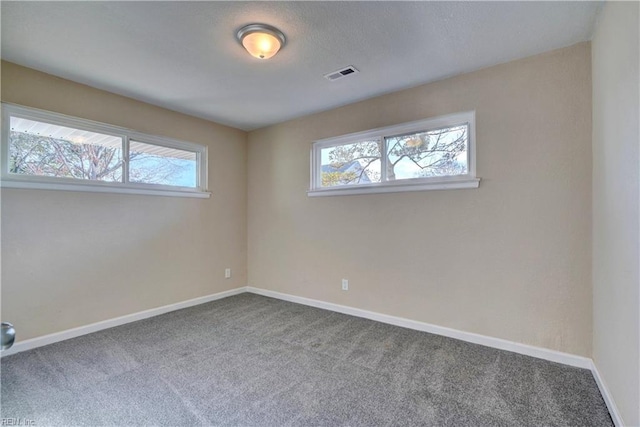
511, 259
616, 203
70, 258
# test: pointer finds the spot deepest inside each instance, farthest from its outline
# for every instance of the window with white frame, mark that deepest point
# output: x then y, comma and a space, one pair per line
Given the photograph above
46, 150
436, 153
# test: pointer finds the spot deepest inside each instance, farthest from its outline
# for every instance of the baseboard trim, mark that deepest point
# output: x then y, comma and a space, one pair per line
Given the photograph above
606, 395
528, 350
501, 344
110, 323
525, 349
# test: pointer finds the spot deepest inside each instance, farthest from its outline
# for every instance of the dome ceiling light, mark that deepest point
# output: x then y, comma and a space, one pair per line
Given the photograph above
260, 40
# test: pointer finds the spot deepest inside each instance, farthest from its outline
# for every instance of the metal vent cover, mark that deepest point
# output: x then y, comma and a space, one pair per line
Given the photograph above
344, 72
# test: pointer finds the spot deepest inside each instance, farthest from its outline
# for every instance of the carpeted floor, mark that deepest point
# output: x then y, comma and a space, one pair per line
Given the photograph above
248, 360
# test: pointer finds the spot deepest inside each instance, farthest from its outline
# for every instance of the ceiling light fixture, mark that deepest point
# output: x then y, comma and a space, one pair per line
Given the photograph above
261, 40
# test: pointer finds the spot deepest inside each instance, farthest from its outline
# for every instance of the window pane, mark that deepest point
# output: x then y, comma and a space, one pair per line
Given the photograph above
43, 149
440, 152
350, 164
155, 164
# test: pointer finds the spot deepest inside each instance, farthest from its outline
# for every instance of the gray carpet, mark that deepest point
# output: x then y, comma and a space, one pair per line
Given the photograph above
248, 360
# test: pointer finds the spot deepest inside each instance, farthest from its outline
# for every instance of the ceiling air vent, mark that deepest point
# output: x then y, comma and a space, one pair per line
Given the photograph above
336, 75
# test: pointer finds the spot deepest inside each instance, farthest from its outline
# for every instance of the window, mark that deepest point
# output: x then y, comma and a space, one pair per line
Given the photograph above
154, 164
51, 151
430, 154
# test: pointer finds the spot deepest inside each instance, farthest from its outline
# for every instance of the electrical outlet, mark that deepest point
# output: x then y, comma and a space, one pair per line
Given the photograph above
345, 285
227, 273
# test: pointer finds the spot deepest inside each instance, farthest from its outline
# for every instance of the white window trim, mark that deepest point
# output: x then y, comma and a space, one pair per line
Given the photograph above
468, 180
8, 180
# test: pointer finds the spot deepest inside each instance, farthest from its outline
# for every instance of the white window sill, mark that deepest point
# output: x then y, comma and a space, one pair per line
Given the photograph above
105, 188
395, 188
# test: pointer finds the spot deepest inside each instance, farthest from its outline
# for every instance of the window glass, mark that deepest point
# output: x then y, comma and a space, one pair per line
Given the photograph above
43, 149
351, 164
154, 164
431, 154
51, 151
434, 153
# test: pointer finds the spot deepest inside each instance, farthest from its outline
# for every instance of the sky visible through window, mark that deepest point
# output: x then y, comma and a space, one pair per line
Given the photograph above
53, 151
42, 149
183, 171
439, 152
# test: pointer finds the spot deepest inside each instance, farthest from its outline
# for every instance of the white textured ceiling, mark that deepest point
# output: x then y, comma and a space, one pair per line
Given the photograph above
184, 55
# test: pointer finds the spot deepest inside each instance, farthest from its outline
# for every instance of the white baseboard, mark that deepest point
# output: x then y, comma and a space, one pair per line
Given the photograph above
525, 349
606, 395
110, 323
528, 350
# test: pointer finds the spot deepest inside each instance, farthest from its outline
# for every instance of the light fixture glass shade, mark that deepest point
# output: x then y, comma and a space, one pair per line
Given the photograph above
261, 41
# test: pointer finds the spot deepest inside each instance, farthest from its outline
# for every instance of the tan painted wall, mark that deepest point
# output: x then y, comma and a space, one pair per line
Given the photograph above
70, 258
616, 205
511, 259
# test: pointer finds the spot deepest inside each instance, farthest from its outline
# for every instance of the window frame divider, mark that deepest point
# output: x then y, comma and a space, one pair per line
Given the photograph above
125, 160
382, 142
8, 180
468, 180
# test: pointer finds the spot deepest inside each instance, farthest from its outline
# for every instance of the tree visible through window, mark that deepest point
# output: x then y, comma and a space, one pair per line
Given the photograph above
357, 163
441, 152
31, 154
152, 164
429, 151
49, 150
